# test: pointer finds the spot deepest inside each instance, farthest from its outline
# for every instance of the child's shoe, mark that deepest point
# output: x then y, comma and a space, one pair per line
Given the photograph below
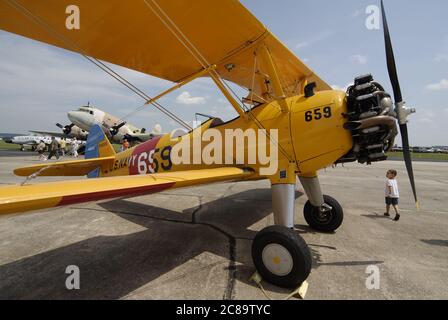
397, 217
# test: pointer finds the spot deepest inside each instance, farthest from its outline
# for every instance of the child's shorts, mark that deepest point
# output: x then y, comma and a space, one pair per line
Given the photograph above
392, 201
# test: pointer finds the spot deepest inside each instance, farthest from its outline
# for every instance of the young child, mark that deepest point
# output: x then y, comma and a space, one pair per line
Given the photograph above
392, 193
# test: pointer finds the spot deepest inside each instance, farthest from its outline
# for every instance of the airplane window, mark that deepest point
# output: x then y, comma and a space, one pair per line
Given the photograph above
91, 112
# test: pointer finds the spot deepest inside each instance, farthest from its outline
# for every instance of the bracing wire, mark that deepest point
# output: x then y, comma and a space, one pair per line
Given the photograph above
191, 48
98, 63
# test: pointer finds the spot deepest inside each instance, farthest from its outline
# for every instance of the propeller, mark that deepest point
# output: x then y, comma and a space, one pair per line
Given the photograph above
402, 111
66, 129
115, 129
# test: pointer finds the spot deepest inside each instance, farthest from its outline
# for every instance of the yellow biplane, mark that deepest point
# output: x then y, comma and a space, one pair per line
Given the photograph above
304, 124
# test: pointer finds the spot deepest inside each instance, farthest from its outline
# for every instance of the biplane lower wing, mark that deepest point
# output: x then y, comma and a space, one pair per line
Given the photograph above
47, 195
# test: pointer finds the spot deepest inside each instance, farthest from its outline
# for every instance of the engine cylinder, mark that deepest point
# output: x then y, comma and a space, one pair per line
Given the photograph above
371, 121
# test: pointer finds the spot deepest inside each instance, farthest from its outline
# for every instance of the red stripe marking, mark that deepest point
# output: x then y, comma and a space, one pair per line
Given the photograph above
145, 147
101, 195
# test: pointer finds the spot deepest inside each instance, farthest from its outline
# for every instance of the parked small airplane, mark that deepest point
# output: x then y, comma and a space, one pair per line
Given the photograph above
115, 129
181, 41
32, 141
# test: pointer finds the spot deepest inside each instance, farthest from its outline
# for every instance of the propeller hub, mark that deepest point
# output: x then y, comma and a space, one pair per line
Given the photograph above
403, 112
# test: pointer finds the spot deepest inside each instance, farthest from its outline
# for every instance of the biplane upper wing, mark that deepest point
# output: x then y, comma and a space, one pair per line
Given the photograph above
53, 194
132, 34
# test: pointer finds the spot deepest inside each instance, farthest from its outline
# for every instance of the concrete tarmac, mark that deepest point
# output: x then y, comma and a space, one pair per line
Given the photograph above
195, 243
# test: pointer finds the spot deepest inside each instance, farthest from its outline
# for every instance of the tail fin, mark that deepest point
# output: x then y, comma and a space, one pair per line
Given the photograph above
98, 146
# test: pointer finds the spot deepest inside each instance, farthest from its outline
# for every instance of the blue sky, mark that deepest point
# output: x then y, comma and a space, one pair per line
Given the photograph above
39, 84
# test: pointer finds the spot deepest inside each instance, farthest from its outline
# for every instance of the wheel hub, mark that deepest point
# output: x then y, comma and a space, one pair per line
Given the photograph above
324, 214
277, 259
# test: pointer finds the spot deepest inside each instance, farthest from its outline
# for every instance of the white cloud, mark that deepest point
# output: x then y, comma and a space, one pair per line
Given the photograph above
356, 14
441, 58
186, 98
302, 45
359, 59
440, 86
316, 39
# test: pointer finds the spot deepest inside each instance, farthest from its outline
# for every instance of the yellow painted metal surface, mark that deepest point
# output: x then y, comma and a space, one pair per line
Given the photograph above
46, 195
321, 141
65, 168
129, 33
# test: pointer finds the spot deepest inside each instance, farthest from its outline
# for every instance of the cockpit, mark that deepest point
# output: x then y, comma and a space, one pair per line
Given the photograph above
86, 110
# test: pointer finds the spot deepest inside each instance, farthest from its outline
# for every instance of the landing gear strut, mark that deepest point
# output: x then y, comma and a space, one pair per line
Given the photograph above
279, 254
322, 212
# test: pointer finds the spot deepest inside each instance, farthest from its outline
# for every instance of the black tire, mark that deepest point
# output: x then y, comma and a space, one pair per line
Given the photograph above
295, 246
327, 222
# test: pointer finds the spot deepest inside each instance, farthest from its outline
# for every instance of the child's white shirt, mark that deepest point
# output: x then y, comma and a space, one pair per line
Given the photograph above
392, 188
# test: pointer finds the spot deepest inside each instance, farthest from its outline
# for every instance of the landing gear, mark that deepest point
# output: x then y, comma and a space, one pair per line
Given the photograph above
281, 256
326, 218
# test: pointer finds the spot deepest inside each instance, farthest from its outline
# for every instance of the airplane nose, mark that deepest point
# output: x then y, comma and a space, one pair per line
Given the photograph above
81, 119
72, 116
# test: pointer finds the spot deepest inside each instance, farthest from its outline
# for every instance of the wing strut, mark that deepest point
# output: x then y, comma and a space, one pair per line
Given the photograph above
191, 48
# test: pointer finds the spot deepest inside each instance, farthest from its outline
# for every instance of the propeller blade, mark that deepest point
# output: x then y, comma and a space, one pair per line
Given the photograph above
391, 66
114, 130
121, 125
408, 159
59, 126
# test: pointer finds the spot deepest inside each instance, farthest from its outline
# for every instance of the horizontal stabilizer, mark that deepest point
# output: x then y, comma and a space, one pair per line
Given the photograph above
65, 168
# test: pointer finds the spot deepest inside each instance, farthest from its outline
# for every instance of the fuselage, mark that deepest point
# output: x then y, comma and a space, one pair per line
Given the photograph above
86, 117
28, 140
34, 140
310, 137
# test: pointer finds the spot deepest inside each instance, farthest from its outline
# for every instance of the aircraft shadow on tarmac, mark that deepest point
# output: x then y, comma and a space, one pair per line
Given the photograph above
436, 242
114, 266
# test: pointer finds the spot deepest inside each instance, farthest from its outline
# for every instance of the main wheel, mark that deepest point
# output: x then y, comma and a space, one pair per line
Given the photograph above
325, 221
281, 256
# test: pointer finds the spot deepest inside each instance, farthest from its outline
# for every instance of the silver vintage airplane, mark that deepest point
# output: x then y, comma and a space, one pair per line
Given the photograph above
116, 130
